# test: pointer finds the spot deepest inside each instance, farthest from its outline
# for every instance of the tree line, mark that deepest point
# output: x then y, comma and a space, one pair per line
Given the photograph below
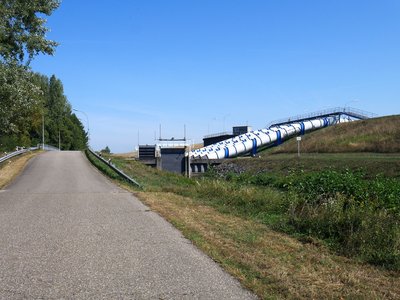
29, 100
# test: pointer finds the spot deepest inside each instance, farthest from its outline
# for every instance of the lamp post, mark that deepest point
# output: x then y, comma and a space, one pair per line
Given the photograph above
43, 132
87, 120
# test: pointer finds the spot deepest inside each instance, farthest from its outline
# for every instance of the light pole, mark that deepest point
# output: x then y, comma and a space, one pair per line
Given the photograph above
87, 120
43, 132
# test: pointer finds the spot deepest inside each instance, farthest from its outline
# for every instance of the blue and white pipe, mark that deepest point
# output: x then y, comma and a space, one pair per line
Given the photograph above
249, 142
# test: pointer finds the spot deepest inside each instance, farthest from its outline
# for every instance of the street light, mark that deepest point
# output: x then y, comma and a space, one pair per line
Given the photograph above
43, 131
87, 119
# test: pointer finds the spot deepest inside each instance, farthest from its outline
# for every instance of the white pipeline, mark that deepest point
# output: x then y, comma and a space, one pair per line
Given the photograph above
249, 142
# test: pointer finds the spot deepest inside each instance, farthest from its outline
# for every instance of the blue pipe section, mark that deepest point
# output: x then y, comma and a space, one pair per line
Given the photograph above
226, 152
302, 128
254, 150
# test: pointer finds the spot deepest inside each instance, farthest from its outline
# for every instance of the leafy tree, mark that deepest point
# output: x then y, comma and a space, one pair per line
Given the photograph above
19, 99
22, 29
106, 150
25, 97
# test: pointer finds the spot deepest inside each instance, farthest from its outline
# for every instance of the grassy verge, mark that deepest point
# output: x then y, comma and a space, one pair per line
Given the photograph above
12, 167
240, 224
271, 264
371, 164
371, 135
356, 216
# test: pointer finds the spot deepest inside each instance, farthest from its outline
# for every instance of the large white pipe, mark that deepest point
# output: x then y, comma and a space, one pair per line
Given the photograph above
250, 141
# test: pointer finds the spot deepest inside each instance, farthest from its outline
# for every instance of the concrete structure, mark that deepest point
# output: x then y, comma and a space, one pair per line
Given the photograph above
148, 154
222, 136
173, 159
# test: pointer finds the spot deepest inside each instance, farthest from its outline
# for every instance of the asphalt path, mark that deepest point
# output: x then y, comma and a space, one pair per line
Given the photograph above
67, 232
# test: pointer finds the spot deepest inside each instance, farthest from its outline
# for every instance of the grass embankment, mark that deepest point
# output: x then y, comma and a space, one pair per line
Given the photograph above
241, 221
12, 167
379, 135
372, 164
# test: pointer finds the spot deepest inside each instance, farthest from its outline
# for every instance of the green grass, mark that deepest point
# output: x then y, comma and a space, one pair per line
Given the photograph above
372, 164
378, 135
103, 167
355, 215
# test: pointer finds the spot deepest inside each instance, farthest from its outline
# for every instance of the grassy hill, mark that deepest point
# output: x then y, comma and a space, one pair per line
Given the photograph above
379, 135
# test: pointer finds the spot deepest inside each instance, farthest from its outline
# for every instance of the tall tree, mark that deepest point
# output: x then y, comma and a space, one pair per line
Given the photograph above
22, 29
26, 97
19, 99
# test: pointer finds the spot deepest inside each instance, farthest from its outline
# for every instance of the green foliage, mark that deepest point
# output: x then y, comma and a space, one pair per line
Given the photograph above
351, 229
26, 98
321, 187
20, 99
22, 29
106, 150
356, 216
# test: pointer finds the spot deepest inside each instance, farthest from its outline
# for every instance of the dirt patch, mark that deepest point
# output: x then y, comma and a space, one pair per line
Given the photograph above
12, 167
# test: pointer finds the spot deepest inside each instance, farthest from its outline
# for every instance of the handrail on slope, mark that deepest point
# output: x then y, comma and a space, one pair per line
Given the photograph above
349, 111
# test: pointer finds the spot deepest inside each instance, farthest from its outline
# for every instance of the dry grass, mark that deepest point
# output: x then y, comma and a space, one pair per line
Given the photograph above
11, 168
133, 154
272, 264
372, 135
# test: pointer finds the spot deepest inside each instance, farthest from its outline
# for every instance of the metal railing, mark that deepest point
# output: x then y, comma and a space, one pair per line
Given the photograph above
350, 111
112, 166
16, 153
49, 148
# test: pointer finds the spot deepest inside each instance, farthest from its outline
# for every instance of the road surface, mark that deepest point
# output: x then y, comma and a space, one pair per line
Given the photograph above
67, 232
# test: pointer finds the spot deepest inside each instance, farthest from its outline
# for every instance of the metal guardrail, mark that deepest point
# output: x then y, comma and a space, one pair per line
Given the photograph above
350, 111
49, 148
16, 153
111, 165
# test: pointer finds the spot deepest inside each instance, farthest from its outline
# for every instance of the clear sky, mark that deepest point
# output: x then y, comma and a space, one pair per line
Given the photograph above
131, 65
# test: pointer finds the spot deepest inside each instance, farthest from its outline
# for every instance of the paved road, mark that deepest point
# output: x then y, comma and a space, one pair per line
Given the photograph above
67, 232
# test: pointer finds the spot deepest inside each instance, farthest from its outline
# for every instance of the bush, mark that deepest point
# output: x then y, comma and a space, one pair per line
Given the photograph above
354, 215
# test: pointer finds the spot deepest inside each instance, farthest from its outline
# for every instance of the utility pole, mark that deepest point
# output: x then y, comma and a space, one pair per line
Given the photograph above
43, 132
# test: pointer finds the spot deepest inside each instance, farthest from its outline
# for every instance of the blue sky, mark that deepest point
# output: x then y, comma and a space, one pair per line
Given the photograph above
210, 64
